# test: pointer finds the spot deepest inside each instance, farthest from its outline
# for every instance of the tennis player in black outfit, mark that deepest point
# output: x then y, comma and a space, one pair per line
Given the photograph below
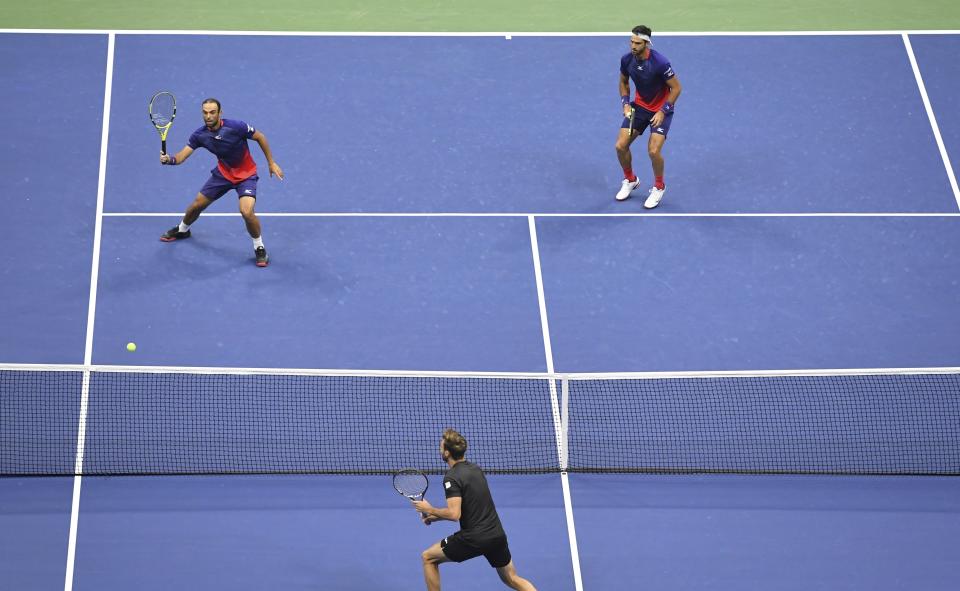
469, 501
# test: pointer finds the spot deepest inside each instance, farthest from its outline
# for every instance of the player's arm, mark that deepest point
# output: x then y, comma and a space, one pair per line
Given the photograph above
265, 146
177, 158
674, 85
449, 513
625, 92
675, 89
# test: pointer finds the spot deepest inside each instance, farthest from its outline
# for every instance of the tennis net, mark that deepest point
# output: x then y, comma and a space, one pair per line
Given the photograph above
62, 420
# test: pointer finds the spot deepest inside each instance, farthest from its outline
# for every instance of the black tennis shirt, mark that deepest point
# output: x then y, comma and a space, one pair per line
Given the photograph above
478, 515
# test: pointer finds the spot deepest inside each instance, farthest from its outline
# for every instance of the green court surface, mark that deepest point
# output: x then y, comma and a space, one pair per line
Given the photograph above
489, 15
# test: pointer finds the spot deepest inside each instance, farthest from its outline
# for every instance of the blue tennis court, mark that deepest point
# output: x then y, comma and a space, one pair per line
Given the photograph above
436, 222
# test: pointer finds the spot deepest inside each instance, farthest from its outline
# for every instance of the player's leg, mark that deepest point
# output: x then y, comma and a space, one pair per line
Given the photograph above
200, 203
432, 558
624, 140
658, 135
250, 219
497, 553
508, 574
655, 151
247, 190
213, 189
182, 230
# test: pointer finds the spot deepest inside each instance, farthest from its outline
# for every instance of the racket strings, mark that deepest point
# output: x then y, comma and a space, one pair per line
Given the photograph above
163, 108
410, 485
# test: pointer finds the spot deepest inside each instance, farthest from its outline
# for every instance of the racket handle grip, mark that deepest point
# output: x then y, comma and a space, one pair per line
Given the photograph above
163, 146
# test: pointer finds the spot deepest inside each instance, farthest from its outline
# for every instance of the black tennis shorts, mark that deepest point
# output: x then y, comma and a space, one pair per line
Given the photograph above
495, 550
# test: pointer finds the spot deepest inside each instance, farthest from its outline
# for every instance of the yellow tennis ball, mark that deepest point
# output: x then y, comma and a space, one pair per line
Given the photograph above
131, 347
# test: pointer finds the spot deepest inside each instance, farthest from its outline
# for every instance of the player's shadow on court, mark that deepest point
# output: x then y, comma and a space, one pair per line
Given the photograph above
233, 264
197, 257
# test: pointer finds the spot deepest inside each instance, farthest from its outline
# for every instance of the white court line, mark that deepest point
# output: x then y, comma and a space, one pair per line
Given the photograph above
559, 421
932, 118
541, 300
277, 371
546, 215
91, 315
476, 33
402, 373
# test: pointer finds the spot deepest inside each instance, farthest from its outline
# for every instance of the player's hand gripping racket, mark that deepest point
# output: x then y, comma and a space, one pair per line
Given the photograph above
163, 108
411, 483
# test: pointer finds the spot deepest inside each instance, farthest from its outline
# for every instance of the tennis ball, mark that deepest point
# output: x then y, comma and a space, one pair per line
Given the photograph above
131, 347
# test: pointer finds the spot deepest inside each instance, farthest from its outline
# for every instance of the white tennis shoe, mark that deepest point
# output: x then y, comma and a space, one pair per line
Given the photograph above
654, 198
626, 188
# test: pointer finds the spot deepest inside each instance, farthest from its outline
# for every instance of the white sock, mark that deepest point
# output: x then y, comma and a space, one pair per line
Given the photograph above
258, 242
184, 227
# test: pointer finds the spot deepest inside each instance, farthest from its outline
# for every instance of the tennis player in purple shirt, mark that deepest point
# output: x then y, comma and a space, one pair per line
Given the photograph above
236, 170
657, 90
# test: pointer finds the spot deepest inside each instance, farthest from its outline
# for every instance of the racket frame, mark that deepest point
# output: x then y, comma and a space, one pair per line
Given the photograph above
162, 129
412, 472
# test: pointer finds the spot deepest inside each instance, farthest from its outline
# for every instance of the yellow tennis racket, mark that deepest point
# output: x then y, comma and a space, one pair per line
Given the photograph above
162, 109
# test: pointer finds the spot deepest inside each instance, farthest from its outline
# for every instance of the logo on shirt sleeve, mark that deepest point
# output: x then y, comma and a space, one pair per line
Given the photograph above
446, 485
249, 128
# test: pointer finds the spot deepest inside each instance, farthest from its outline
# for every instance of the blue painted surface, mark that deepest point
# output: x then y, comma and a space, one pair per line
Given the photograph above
941, 76
750, 532
483, 124
350, 533
50, 192
394, 125
359, 293
34, 526
675, 294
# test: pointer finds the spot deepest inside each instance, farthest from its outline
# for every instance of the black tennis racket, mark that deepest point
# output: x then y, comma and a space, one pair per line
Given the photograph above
162, 110
411, 483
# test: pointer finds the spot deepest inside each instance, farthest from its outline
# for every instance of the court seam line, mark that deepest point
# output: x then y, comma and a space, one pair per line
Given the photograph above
282, 33
546, 215
559, 420
931, 116
91, 319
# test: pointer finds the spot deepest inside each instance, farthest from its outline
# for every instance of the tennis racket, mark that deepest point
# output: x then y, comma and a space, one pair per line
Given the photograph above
411, 483
162, 109
633, 112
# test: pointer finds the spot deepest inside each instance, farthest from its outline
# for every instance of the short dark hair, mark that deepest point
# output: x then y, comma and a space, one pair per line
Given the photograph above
454, 443
211, 100
642, 30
